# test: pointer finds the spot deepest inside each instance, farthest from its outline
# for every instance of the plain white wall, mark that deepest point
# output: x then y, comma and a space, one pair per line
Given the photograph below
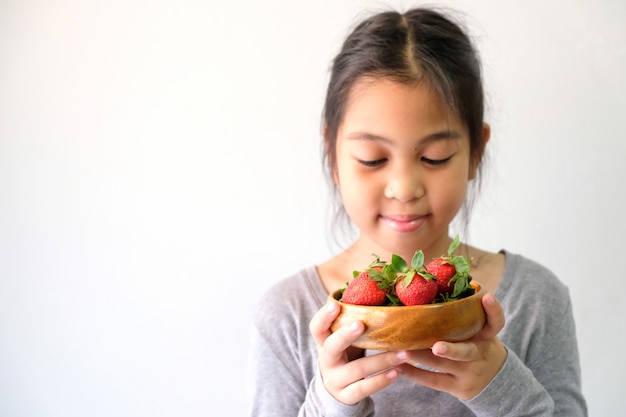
159, 168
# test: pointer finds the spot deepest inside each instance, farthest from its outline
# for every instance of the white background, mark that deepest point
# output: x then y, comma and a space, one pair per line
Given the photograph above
159, 168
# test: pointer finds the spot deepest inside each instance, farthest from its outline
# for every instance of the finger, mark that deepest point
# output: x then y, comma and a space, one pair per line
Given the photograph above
460, 352
333, 349
319, 325
495, 317
440, 381
446, 357
425, 359
374, 364
355, 392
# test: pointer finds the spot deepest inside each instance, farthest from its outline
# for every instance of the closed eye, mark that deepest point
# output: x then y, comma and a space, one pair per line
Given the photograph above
436, 162
373, 163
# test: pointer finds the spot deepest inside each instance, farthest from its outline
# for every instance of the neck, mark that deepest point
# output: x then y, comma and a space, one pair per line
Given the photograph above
338, 270
360, 253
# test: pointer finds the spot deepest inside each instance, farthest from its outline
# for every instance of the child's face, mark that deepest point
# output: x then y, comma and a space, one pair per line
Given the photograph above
402, 166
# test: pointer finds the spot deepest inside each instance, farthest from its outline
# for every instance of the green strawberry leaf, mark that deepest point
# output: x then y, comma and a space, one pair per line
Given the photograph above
455, 244
408, 278
377, 261
426, 275
376, 275
342, 290
459, 287
355, 274
390, 273
395, 301
398, 263
418, 260
442, 298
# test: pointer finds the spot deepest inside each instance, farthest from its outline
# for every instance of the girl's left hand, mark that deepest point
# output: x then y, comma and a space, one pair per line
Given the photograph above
466, 367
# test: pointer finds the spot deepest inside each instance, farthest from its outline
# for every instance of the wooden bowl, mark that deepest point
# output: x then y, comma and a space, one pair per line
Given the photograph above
414, 327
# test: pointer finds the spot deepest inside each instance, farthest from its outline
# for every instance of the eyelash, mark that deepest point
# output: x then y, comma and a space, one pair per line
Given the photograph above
436, 162
373, 164
378, 162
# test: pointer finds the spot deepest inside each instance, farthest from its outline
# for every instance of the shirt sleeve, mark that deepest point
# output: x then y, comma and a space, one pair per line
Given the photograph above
513, 392
277, 390
284, 379
319, 402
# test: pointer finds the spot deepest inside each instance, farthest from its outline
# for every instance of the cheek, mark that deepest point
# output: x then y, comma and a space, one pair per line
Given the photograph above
350, 184
448, 191
356, 191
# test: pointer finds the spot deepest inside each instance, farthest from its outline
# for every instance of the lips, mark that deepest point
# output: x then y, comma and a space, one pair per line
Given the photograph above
404, 223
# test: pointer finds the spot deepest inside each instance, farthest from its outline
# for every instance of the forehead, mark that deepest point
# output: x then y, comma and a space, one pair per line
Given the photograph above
388, 107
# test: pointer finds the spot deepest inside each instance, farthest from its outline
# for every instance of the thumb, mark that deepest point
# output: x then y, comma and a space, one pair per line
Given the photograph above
495, 317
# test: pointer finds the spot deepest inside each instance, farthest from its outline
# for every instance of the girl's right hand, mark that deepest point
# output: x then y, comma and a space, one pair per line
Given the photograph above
350, 381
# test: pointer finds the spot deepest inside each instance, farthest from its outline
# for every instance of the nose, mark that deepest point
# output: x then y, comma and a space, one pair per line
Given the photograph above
404, 185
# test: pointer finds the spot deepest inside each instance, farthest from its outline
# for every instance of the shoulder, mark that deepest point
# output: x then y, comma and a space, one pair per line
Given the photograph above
291, 300
521, 271
530, 288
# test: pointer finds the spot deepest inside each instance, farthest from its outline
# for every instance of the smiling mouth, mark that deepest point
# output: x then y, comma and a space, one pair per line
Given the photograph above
404, 223
402, 218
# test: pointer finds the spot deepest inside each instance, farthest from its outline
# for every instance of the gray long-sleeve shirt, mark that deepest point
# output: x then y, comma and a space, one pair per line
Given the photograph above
541, 375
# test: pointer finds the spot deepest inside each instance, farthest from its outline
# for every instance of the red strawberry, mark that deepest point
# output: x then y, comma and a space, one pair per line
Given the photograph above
414, 286
363, 290
452, 273
443, 271
416, 290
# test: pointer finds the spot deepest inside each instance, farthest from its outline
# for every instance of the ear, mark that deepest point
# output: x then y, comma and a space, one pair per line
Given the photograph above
486, 134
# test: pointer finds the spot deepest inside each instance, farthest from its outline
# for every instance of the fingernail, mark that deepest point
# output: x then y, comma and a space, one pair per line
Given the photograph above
392, 374
354, 327
440, 349
402, 355
330, 307
489, 300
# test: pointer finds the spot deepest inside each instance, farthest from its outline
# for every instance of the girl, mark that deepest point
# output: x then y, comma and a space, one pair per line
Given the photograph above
404, 137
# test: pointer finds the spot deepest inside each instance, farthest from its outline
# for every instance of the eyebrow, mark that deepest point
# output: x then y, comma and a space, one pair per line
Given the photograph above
433, 137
